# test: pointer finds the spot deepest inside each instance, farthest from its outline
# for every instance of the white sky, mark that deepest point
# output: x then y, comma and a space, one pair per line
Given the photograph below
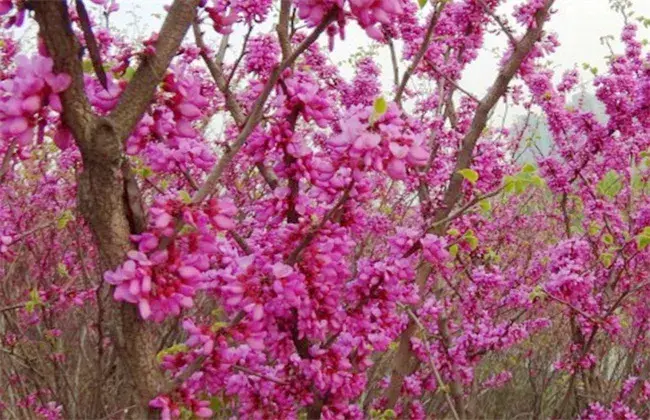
579, 24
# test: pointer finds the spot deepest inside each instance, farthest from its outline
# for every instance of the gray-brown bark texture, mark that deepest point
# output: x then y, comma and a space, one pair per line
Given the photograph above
108, 196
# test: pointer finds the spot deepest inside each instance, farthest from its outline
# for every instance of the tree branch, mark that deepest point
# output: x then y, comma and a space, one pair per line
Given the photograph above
137, 96
293, 257
216, 71
488, 102
56, 30
91, 43
427, 346
420, 54
256, 113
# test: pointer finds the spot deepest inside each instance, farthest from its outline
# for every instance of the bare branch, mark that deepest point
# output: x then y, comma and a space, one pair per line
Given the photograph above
137, 96
91, 43
216, 71
420, 54
293, 257
441, 384
488, 102
393, 59
259, 375
256, 113
283, 28
241, 55
499, 22
6, 160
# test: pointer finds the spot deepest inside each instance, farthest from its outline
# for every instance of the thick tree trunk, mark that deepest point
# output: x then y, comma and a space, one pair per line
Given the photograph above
101, 192
108, 201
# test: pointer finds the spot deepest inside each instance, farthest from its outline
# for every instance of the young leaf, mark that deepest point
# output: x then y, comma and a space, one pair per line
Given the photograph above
185, 197
64, 219
528, 168
610, 185
453, 232
380, 106
469, 174
606, 259
471, 239
642, 241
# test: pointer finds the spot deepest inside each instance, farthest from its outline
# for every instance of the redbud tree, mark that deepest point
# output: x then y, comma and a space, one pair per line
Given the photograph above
199, 225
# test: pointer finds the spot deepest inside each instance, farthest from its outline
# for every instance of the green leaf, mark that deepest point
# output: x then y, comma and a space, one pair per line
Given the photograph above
215, 404
642, 241
471, 239
64, 219
453, 232
485, 205
34, 300
593, 229
176, 348
386, 209
608, 239
185, 197
509, 184
422, 3
128, 74
146, 172
528, 168
186, 414
87, 66
186, 229
537, 181
469, 174
380, 106
610, 185
493, 256
453, 250
606, 259
538, 292
520, 185
219, 325
62, 270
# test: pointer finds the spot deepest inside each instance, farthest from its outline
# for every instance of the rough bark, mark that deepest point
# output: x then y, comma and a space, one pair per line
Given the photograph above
107, 196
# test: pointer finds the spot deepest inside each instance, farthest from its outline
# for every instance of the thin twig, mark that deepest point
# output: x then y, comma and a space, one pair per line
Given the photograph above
91, 43
241, 55
419, 55
499, 22
6, 160
12, 307
256, 112
259, 375
441, 384
293, 257
393, 59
